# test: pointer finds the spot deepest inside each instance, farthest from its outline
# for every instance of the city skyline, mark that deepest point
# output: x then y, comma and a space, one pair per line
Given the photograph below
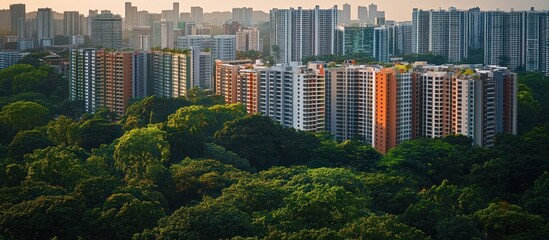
402, 13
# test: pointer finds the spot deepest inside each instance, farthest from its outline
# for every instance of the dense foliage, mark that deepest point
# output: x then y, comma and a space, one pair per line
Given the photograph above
195, 168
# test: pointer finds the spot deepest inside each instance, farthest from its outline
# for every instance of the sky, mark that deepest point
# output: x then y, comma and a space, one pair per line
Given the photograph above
399, 10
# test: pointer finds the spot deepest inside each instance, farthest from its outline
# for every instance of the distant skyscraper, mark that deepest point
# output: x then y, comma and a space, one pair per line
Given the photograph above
476, 28
71, 23
230, 27
372, 13
244, 16
445, 33
163, 35
403, 38
16, 11
248, 39
224, 47
106, 30
355, 40
197, 15
299, 33
346, 16
362, 13
130, 18
175, 13
5, 21
420, 31
44, 19
200, 75
137, 35
169, 74
381, 44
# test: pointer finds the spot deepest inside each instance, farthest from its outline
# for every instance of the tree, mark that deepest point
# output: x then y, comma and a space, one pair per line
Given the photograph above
139, 150
195, 179
381, 227
26, 142
45, 217
536, 198
59, 166
254, 138
150, 110
502, 220
63, 131
207, 220
427, 161
122, 215
24, 115
94, 132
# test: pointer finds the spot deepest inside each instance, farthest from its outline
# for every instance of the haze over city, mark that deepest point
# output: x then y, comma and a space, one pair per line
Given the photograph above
398, 10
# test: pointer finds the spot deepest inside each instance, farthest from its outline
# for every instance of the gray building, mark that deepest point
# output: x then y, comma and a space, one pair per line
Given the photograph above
44, 19
106, 30
299, 33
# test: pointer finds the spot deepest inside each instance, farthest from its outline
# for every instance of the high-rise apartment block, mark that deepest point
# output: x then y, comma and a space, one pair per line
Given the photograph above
163, 35
299, 33
517, 39
441, 32
17, 11
106, 30
101, 78
44, 19
294, 95
247, 39
369, 103
197, 15
72, 24
223, 47
244, 16
238, 82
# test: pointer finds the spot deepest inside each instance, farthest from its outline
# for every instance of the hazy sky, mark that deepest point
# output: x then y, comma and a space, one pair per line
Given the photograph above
394, 9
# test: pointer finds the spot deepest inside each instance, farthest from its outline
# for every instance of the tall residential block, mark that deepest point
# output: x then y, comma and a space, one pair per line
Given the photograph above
441, 32
238, 82
44, 19
106, 30
101, 78
197, 15
370, 104
162, 35
71, 23
299, 33
17, 11
294, 95
244, 16
484, 104
247, 39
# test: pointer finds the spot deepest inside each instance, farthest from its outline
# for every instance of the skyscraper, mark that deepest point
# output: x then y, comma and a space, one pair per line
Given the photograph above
244, 16
136, 37
224, 47
130, 17
44, 19
372, 13
355, 40
200, 63
403, 38
441, 32
484, 104
420, 31
299, 33
163, 35
381, 44
346, 16
362, 13
175, 13
476, 28
197, 15
248, 39
106, 30
169, 74
71, 23
293, 95
17, 11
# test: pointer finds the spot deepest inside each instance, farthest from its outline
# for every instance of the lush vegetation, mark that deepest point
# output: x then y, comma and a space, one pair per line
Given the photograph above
195, 168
